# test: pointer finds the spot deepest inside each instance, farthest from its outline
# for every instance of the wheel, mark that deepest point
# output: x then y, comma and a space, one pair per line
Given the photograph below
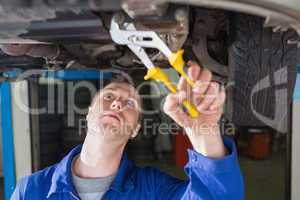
262, 72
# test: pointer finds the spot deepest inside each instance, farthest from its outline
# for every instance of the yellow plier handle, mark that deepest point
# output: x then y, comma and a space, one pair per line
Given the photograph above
159, 75
177, 62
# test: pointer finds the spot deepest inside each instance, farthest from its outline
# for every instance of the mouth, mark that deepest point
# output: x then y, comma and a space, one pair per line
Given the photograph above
113, 115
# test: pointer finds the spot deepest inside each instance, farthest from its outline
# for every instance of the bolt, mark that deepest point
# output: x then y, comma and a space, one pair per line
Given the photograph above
180, 14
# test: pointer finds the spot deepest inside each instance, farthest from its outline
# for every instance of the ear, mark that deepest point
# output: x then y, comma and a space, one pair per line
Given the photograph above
136, 130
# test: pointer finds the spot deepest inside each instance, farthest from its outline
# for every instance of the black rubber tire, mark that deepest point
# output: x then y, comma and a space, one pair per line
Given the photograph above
256, 52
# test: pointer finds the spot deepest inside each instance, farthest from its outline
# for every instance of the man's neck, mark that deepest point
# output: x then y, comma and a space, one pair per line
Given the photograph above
97, 158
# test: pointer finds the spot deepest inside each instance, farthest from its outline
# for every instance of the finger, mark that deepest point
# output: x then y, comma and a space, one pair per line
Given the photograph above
173, 101
193, 70
193, 73
223, 95
172, 107
182, 84
192, 63
219, 102
203, 81
198, 92
210, 96
183, 87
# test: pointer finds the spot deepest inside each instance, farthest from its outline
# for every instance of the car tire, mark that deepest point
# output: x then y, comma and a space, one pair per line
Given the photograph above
262, 65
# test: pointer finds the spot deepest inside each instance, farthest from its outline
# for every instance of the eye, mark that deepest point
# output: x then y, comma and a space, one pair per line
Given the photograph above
108, 96
130, 103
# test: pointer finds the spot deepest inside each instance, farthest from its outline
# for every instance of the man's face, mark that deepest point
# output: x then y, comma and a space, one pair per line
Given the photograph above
116, 108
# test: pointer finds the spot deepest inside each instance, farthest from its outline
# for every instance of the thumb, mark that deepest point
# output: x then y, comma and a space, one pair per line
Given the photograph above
172, 107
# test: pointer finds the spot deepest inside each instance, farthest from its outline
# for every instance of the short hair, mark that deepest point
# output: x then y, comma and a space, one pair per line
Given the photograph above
121, 78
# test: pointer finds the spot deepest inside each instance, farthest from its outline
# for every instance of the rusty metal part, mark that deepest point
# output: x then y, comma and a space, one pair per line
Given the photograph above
178, 38
65, 27
173, 27
136, 8
277, 13
104, 48
103, 5
207, 24
34, 50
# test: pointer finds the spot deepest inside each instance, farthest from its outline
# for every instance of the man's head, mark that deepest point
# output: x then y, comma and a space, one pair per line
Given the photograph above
117, 110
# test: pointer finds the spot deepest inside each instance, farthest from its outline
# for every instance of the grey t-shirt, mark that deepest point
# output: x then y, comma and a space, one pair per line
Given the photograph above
92, 189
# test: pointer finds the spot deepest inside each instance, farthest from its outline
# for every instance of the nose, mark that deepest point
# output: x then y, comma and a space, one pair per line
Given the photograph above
116, 105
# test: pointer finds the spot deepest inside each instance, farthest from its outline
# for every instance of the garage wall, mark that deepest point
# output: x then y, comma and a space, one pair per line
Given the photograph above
57, 134
73, 132
21, 129
49, 126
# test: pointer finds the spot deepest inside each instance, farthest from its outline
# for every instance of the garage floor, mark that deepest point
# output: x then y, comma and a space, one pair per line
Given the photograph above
264, 179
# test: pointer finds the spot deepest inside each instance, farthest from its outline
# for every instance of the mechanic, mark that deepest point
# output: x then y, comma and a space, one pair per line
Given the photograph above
100, 169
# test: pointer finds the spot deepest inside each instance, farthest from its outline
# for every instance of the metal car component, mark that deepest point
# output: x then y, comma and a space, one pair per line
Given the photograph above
136, 8
277, 13
60, 5
34, 50
65, 27
146, 38
172, 27
208, 24
24, 62
137, 38
53, 55
177, 40
68, 27
129, 37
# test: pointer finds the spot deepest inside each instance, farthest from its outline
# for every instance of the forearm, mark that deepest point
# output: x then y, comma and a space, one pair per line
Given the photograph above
207, 141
